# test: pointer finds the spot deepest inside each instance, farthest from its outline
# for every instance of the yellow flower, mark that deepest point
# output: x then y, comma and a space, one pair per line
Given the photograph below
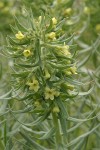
56, 93
86, 10
68, 11
56, 109
27, 53
34, 85
97, 28
54, 21
20, 36
64, 50
1, 4
52, 35
49, 93
73, 70
40, 18
47, 74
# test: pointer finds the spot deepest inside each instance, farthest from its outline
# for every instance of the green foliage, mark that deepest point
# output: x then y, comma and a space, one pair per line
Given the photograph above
50, 75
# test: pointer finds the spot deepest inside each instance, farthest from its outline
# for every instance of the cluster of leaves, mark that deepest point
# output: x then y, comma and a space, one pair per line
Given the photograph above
44, 98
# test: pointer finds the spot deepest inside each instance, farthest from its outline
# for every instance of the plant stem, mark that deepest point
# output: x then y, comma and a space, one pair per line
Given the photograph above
58, 136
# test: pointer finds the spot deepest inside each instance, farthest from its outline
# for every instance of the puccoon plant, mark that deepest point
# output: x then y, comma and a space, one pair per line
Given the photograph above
43, 70
45, 108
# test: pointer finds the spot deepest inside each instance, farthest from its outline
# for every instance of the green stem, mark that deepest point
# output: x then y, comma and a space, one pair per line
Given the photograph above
58, 136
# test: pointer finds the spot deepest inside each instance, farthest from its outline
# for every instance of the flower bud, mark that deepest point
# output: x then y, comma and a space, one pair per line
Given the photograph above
54, 21
68, 11
40, 18
47, 74
67, 72
73, 70
52, 35
56, 109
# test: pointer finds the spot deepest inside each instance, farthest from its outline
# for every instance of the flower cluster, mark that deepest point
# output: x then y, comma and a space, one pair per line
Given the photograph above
45, 59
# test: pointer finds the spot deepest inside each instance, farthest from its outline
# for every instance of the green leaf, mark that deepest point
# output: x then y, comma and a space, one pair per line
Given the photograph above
50, 27
82, 136
14, 29
60, 24
5, 133
20, 26
32, 142
39, 119
63, 123
32, 131
59, 66
49, 134
5, 95
62, 107
32, 20
9, 145
12, 41
82, 62
74, 127
27, 109
27, 65
86, 93
0, 70
66, 40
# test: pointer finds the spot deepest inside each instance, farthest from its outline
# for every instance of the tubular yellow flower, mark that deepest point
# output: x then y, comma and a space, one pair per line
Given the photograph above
49, 93
54, 21
34, 85
56, 109
27, 53
52, 35
20, 36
